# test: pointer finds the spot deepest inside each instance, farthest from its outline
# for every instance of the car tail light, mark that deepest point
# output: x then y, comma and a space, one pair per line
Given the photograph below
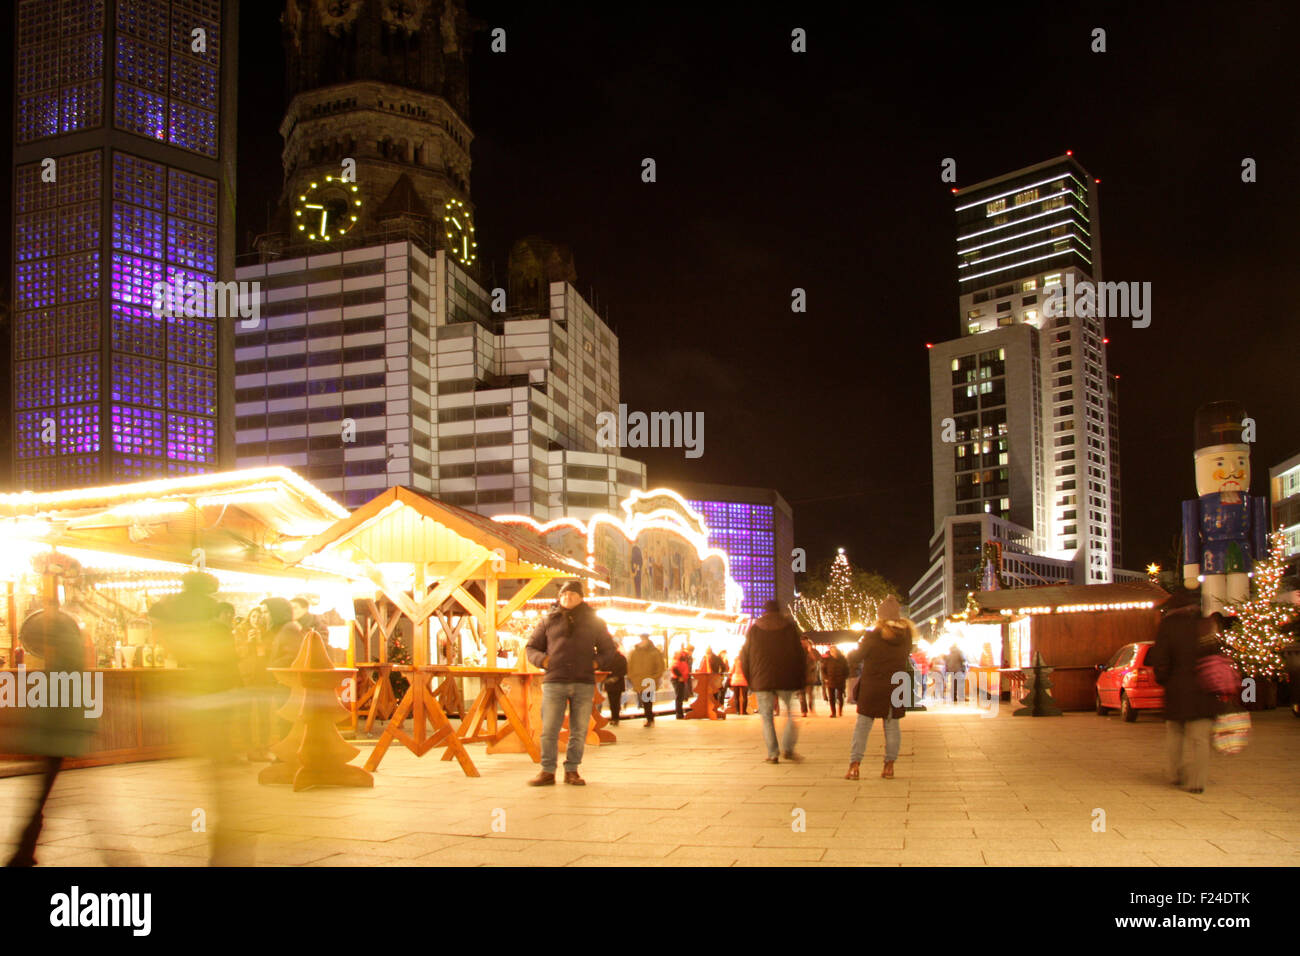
1144, 675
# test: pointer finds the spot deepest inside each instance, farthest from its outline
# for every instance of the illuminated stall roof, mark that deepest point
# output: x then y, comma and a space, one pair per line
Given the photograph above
403, 526
658, 509
241, 520
1064, 599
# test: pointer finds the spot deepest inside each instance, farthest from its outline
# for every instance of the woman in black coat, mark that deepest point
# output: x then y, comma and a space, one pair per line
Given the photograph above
882, 689
1181, 641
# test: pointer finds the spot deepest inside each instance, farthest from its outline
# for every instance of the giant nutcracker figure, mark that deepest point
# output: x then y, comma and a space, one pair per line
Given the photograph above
1224, 528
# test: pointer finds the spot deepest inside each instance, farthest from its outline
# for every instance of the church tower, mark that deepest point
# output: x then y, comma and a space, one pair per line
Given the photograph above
376, 134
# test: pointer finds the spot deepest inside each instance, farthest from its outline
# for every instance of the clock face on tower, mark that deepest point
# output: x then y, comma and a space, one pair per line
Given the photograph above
328, 209
459, 227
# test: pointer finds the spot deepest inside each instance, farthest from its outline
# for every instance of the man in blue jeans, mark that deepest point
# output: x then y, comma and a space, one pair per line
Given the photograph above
571, 643
773, 663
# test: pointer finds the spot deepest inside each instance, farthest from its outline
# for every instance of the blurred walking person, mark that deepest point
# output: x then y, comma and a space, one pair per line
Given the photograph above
52, 639
1190, 708
775, 665
645, 668
881, 690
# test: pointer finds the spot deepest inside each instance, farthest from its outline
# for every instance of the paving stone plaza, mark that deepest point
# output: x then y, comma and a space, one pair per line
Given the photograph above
969, 791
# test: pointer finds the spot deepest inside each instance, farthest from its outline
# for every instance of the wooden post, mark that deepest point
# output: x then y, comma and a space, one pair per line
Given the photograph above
420, 630
490, 618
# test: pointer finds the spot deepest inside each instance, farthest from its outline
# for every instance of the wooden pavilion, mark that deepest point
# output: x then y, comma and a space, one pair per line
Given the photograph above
421, 553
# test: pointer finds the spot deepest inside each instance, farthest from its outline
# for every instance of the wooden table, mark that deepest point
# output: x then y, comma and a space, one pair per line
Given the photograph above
705, 707
494, 692
421, 702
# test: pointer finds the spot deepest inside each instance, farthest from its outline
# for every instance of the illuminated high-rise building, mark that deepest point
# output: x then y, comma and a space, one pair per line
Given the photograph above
382, 359
1024, 430
124, 146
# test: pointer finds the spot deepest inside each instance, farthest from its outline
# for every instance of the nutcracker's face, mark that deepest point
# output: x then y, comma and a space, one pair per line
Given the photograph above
1223, 469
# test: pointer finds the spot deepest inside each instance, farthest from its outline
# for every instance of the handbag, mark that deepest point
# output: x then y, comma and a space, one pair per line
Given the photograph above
1231, 732
1216, 675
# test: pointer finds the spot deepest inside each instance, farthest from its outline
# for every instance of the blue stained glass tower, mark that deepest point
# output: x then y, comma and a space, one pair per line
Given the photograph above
124, 152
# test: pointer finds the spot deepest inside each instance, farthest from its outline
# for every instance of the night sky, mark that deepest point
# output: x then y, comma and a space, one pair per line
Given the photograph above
821, 171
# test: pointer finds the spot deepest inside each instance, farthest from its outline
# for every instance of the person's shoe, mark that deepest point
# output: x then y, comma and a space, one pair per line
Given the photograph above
853, 771
889, 769
793, 757
571, 776
543, 779
1195, 789
772, 760
614, 722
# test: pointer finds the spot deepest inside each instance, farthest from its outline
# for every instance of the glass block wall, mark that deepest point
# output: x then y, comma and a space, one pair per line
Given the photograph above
58, 68
56, 320
748, 534
104, 389
166, 88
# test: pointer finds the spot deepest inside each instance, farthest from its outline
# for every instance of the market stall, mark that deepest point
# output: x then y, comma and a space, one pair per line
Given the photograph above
420, 553
664, 578
108, 554
1074, 627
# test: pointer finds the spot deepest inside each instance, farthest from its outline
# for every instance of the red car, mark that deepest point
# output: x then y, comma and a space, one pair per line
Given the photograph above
1128, 683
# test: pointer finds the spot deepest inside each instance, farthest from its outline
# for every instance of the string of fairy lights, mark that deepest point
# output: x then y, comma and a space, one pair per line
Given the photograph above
1254, 641
841, 607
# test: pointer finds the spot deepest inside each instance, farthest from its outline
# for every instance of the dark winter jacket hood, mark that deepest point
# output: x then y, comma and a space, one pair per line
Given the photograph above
772, 621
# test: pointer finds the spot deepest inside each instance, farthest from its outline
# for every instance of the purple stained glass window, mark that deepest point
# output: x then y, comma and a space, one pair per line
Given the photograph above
78, 429
78, 277
137, 380
194, 197
146, 19
78, 327
133, 280
35, 235
747, 533
78, 227
190, 438
138, 330
32, 426
139, 111
194, 82
34, 383
78, 378
192, 245
38, 116
79, 178
137, 430
141, 64
139, 181
192, 389
192, 341
36, 335
35, 284
137, 230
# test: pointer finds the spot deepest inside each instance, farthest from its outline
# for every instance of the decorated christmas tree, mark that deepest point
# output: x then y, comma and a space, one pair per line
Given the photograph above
841, 605
1254, 642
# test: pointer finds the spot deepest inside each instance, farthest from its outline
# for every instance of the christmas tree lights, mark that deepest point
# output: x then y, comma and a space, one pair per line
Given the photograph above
841, 606
1254, 641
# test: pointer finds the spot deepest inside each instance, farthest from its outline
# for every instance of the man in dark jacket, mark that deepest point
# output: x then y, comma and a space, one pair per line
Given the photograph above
1189, 708
571, 643
881, 690
773, 663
